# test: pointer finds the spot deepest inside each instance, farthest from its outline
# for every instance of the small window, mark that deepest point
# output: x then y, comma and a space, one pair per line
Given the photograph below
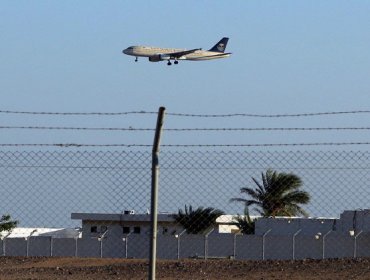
126, 230
165, 230
137, 230
94, 229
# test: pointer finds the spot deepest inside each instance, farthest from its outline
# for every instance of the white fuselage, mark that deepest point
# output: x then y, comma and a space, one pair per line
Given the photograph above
143, 51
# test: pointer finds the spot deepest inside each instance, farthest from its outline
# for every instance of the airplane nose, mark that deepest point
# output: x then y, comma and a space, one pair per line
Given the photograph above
124, 51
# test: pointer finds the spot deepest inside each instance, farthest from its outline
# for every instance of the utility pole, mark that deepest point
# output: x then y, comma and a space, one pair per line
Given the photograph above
154, 194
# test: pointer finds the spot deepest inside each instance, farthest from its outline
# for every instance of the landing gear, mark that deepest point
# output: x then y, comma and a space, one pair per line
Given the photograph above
136, 59
169, 62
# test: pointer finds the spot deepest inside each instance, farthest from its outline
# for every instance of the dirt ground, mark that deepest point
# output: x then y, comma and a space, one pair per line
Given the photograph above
80, 268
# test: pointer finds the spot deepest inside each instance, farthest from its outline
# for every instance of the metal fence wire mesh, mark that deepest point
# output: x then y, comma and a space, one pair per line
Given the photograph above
96, 203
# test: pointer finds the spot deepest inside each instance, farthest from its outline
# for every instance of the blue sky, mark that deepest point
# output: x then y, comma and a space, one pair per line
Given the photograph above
288, 57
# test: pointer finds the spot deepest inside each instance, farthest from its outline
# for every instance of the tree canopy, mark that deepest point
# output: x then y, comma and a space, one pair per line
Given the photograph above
198, 220
278, 194
7, 224
245, 223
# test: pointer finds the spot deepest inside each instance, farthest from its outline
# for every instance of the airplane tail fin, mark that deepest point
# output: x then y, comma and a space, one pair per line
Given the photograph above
220, 46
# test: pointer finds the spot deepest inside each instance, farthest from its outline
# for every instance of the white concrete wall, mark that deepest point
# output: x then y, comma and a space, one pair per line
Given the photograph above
308, 247
339, 245
138, 246
15, 246
64, 247
88, 247
278, 247
191, 245
245, 247
363, 245
167, 246
39, 246
220, 245
248, 247
287, 226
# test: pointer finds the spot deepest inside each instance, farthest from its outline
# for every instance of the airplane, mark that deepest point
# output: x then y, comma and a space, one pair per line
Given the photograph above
159, 54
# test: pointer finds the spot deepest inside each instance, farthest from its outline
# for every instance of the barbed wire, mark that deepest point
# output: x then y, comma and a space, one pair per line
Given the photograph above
186, 129
188, 115
77, 128
268, 129
68, 145
179, 168
75, 145
269, 115
267, 144
79, 113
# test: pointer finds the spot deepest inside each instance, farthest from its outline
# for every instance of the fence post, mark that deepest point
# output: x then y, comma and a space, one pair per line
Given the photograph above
206, 243
126, 244
4, 240
323, 243
28, 241
154, 193
51, 246
293, 243
263, 243
101, 238
177, 236
76, 246
355, 244
234, 245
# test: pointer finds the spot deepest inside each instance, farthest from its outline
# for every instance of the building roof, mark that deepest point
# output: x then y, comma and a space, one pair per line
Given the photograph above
120, 217
22, 232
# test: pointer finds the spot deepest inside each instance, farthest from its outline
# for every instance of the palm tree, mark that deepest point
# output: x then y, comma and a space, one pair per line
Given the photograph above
6, 223
245, 223
198, 220
277, 195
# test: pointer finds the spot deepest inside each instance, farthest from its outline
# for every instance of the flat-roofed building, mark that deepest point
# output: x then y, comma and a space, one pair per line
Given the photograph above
95, 224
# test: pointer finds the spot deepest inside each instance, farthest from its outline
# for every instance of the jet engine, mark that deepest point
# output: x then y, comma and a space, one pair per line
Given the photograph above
159, 57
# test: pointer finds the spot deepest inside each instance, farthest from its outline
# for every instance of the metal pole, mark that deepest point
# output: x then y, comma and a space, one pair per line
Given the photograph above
154, 194
178, 247
178, 236
76, 246
28, 242
27, 246
4, 245
126, 244
101, 248
355, 245
293, 245
101, 238
234, 246
263, 244
51, 246
206, 243
323, 243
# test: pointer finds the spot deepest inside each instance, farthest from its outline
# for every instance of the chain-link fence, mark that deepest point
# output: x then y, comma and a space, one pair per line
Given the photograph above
97, 204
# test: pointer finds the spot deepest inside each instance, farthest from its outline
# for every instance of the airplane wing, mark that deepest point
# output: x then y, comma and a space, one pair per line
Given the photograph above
180, 54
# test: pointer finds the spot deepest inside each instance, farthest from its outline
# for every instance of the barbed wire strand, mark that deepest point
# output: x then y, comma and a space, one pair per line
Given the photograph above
77, 128
189, 115
185, 129
79, 113
68, 145
269, 115
181, 168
